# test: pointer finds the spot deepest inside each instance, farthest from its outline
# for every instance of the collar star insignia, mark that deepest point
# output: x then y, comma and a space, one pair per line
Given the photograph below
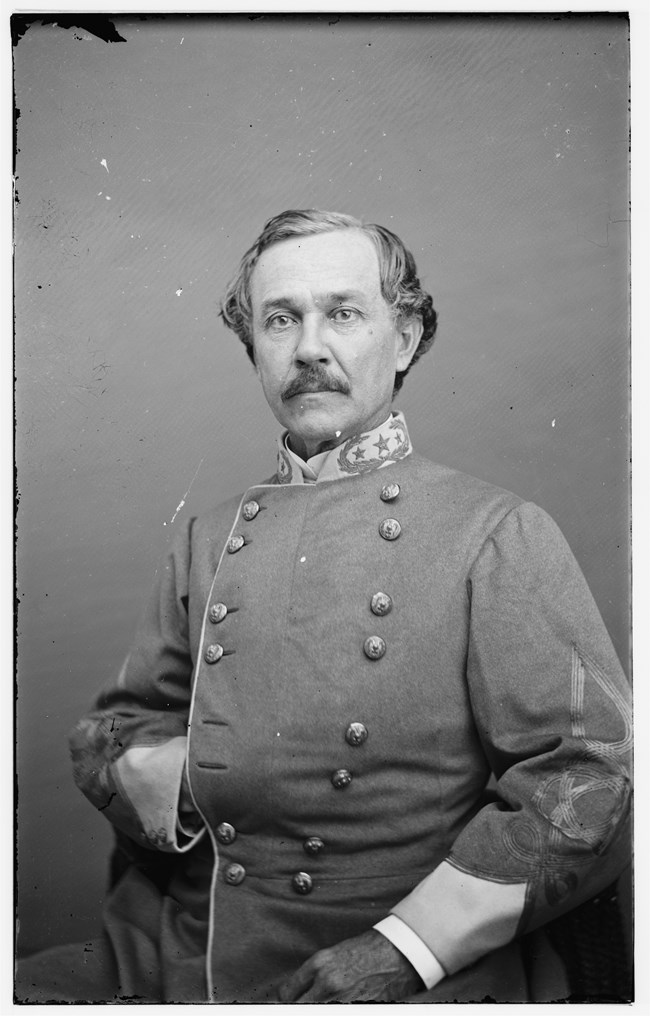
353, 457
285, 470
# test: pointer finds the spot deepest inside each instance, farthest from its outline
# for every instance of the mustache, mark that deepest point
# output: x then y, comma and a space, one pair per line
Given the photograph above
313, 379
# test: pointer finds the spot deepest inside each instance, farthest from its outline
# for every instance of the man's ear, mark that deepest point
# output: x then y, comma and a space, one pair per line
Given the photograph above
410, 333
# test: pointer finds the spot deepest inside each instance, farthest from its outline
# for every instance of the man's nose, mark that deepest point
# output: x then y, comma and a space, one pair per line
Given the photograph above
312, 345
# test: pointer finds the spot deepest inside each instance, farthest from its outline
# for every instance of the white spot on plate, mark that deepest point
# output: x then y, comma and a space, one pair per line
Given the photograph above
302, 560
104, 164
552, 423
178, 292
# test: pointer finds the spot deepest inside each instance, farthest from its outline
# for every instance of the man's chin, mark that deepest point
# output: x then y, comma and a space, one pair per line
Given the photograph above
315, 432
315, 413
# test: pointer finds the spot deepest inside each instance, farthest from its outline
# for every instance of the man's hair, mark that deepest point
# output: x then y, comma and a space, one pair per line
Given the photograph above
400, 285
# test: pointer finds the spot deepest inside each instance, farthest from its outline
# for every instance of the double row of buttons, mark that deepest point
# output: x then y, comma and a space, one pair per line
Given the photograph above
235, 873
356, 734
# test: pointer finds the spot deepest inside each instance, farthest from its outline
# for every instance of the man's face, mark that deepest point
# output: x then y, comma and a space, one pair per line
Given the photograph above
326, 344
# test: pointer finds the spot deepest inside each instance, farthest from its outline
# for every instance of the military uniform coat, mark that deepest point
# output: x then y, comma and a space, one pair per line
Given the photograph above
340, 667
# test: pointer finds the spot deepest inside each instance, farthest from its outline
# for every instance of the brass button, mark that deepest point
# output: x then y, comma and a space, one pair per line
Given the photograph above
226, 833
389, 491
341, 778
356, 734
302, 883
236, 543
234, 874
217, 612
381, 604
374, 647
213, 653
313, 845
250, 510
390, 529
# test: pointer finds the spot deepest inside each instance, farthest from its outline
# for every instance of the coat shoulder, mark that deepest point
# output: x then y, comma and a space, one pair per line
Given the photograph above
446, 488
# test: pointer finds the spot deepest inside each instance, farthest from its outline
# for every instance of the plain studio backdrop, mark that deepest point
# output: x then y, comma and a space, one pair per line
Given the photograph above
495, 146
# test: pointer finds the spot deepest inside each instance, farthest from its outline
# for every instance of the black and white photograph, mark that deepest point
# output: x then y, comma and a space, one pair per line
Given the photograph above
322, 548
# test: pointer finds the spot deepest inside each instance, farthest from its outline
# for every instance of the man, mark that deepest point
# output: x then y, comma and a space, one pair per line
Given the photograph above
332, 668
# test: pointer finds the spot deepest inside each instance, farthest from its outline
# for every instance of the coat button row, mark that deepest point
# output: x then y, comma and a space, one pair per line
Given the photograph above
301, 882
389, 491
217, 612
234, 544
226, 833
389, 529
250, 510
374, 647
381, 604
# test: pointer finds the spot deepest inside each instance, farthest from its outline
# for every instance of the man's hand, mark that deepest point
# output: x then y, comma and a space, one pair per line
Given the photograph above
364, 969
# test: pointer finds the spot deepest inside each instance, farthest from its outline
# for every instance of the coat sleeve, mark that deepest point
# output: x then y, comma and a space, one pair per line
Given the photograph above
129, 752
551, 706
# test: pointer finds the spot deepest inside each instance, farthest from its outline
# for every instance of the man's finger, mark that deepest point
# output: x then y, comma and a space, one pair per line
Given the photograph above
297, 984
330, 982
320, 991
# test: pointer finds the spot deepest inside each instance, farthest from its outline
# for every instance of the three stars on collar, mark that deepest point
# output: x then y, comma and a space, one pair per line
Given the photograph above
354, 456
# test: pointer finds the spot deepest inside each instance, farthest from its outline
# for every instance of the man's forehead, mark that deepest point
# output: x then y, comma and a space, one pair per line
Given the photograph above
337, 261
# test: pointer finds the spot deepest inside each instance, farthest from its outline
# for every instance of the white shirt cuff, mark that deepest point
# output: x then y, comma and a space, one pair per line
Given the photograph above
411, 946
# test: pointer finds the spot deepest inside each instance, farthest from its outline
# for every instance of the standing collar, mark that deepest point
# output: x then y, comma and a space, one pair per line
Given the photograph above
361, 453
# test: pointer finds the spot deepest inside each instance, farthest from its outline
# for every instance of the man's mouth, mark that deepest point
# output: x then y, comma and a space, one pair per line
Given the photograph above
306, 389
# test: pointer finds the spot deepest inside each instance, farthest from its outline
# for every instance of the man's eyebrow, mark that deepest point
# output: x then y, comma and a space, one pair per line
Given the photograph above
349, 294
278, 302
291, 303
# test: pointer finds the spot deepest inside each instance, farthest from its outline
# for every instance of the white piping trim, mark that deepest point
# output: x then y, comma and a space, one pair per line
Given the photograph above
215, 870
195, 674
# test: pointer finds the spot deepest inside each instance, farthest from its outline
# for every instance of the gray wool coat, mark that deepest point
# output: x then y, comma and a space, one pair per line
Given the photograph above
338, 743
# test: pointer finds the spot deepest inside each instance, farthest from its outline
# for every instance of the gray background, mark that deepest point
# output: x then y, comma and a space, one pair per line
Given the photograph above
497, 147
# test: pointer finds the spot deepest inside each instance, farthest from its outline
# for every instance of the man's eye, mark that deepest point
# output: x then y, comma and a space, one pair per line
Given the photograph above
280, 321
344, 315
